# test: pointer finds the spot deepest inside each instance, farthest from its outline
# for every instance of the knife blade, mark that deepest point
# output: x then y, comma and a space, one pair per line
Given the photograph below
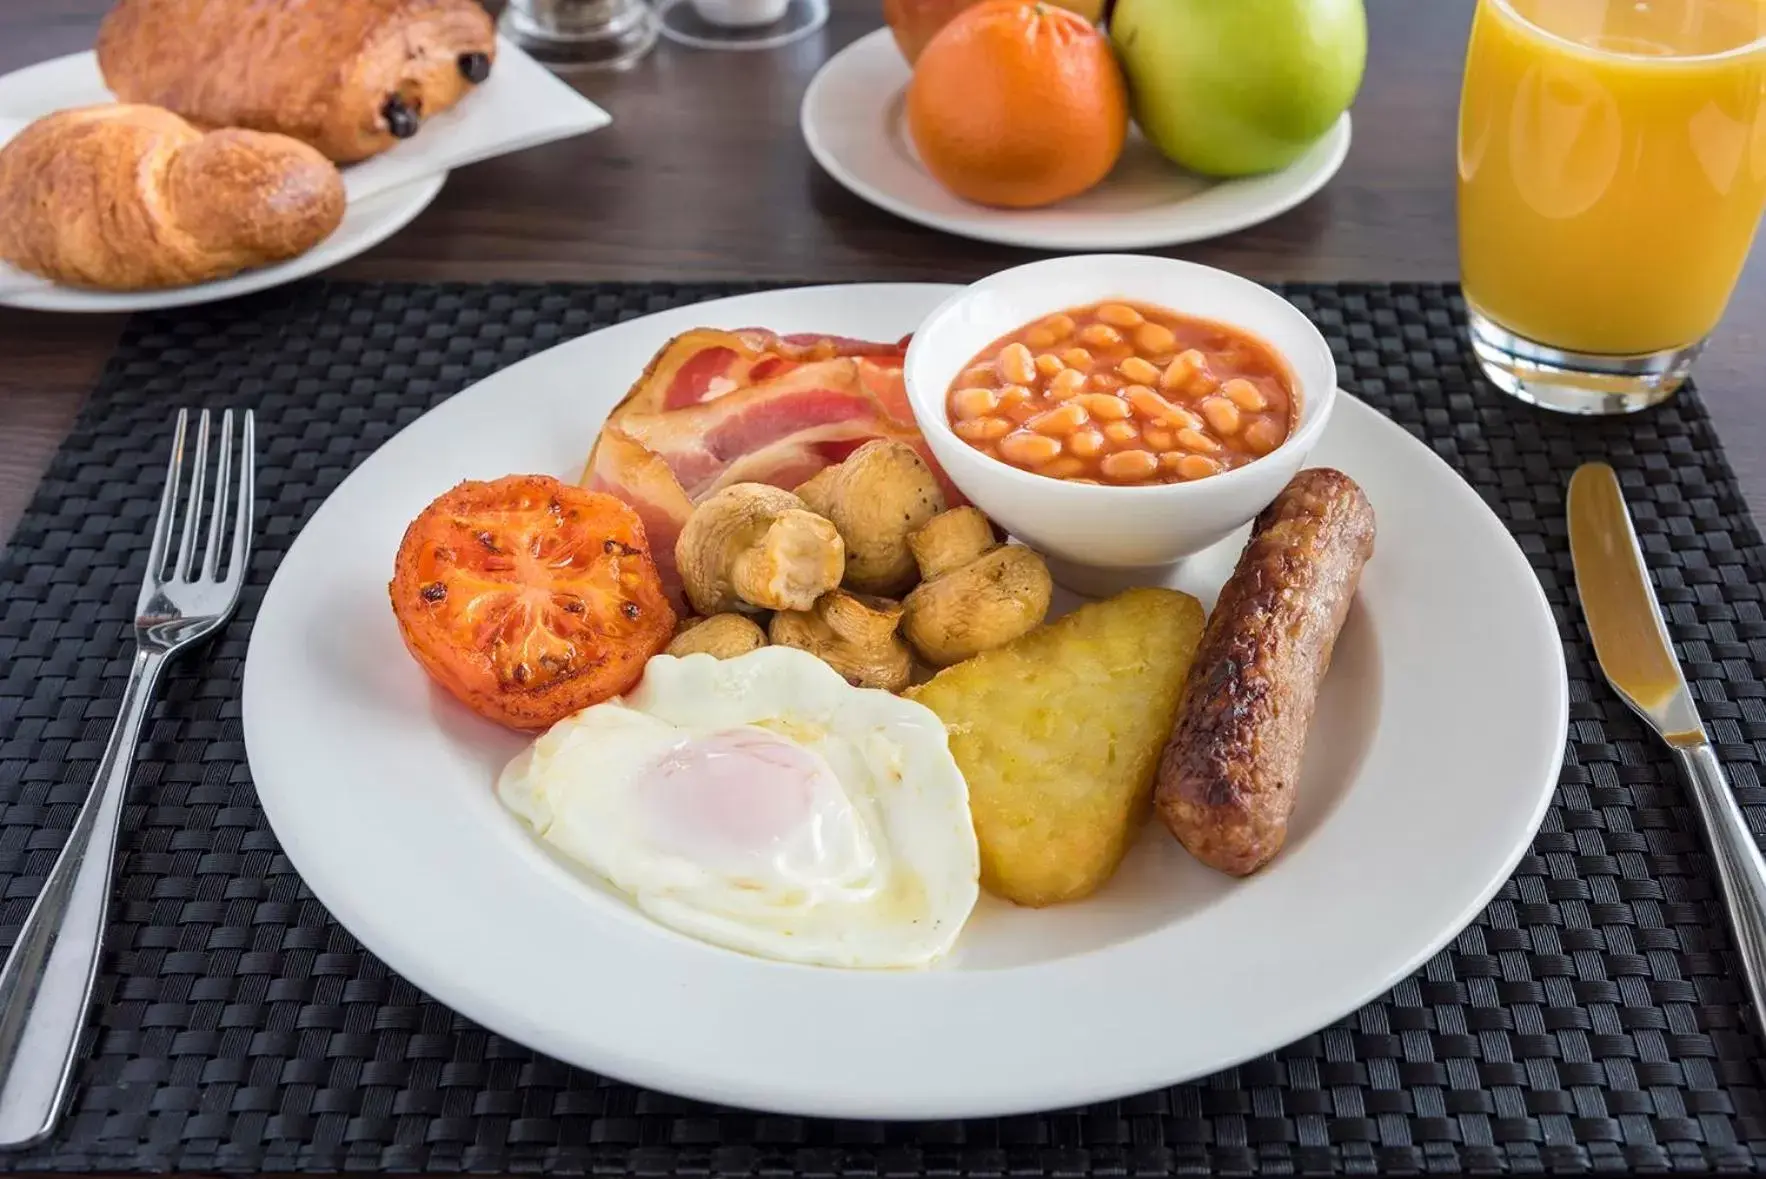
1636, 655
1630, 637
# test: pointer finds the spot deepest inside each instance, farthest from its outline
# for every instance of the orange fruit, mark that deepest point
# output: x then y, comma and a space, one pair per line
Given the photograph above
915, 22
1018, 103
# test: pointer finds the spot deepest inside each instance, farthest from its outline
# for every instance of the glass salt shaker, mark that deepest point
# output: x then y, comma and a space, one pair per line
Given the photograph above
567, 35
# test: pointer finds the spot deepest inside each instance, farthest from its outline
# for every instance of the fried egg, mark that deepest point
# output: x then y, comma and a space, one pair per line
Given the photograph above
763, 804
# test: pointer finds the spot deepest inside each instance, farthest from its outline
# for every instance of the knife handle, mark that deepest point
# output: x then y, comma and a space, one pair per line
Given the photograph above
1740, 868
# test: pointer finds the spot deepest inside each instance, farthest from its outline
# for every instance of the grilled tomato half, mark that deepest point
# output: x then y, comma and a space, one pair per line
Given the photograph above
529, 598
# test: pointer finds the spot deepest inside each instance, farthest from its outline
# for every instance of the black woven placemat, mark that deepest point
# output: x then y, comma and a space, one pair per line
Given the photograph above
1590, 1019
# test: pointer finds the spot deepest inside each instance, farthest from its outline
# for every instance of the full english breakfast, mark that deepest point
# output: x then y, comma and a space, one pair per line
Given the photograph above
803, 700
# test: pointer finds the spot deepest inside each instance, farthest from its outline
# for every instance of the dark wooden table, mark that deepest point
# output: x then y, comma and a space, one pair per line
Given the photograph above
703, 175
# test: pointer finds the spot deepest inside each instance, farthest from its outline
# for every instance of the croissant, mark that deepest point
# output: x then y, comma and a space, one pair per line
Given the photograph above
350, 77
133, 197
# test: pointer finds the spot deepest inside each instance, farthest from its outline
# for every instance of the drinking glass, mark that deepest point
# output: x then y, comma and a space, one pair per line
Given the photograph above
1612, 172
570, 35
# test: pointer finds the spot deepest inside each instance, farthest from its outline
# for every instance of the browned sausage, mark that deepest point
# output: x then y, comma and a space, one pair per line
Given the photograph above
1227, 777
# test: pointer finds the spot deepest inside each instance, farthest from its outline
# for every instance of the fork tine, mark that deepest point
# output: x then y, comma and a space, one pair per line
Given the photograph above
242, 520
217, 518
193, 513
168, 502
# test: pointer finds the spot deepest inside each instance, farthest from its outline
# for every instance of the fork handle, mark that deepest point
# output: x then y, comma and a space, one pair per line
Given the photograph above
46, 983
1740, 868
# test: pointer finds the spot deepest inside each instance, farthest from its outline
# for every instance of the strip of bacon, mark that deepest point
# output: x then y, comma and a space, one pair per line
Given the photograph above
699, 441
719, 407
704, 364
622, 468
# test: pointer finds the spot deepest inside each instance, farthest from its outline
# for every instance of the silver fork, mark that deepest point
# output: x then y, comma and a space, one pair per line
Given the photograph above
46, 983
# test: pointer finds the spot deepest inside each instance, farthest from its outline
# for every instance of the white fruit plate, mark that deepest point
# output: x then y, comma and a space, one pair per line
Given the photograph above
852, 120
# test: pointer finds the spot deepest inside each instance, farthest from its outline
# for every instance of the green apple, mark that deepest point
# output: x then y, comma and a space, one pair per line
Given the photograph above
1238, 87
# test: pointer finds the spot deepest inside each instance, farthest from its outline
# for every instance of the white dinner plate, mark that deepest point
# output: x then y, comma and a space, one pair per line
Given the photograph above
853, 122
1438, 738
74, 80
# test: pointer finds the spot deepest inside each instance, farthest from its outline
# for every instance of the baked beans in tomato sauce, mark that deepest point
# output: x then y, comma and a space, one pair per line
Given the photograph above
1124, 393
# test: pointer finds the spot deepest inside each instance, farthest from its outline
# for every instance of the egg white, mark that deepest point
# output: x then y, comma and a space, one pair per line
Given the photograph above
894, 874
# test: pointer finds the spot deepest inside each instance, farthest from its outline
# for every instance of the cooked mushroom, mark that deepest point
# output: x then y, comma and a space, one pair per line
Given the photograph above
751, 547
976, 593
951, 539
882, 492
852, 633
724, 636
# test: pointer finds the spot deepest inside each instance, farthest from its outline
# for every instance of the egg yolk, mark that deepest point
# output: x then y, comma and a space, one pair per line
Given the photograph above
752, 806
736, 789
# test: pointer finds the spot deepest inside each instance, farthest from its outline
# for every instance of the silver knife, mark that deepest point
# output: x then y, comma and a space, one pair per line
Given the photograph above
1631, 641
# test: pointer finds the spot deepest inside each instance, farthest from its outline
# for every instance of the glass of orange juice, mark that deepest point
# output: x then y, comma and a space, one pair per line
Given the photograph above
1612, 172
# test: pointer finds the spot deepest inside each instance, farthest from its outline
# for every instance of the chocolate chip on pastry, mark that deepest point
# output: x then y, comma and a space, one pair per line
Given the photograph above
476, 66
401, 120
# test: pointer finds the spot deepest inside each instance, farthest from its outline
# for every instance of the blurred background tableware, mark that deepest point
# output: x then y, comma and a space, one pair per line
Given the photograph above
740, 24
569, 35
1637, 656
519, 106
1611, 176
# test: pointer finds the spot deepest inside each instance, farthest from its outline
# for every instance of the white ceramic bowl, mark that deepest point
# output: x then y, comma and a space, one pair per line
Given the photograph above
1099, 537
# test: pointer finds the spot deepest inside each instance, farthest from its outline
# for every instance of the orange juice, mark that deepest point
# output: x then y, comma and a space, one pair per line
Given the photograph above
1612, 167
